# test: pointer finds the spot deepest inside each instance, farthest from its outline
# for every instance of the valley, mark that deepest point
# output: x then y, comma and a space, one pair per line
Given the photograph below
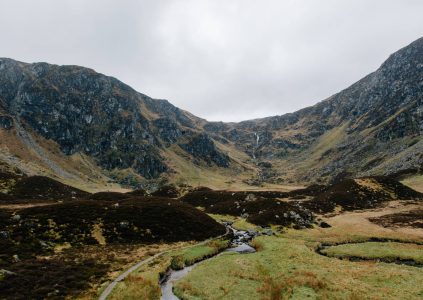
107, 193
59, 242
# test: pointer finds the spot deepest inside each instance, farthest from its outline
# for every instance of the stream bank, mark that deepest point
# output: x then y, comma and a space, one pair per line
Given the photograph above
321, 250
239, 243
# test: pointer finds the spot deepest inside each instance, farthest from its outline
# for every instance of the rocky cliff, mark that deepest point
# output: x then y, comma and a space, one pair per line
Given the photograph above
373, 127
86, 112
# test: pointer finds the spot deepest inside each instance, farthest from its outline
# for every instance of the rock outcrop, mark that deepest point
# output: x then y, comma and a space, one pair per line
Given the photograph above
373, 127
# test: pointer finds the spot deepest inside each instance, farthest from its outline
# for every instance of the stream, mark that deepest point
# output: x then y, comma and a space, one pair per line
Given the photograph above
239, 243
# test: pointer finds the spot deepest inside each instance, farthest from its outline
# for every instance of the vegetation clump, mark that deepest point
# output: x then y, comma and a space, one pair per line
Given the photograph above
406, 253
40, 187
167, 191
197, 253
50, 278
361, 193
411, 218
110, 196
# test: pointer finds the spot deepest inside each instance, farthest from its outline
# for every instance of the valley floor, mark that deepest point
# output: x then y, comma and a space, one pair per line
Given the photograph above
369, 263
374, 253
289, 267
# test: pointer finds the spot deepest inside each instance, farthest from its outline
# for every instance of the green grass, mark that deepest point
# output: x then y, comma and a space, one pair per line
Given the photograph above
288, 268
144, 282
197, 253
415, 182
238, 222
376, 250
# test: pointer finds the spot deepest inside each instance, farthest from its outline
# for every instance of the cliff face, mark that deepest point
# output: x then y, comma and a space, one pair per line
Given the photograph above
372, 127
87, 112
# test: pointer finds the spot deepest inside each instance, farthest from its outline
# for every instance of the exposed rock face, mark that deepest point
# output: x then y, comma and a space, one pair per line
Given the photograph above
6, 122
373, 127
201, 146
87, 112
362, 128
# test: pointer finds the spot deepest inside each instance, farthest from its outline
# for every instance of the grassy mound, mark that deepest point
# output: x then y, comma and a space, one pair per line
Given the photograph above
137, 192
41, 187
141, 220
166, 191
265, 207
6, 197
264, 212
253, 206
382, 251
207, 197
110, 196
28, 234
49, 278
7, 180
361, 193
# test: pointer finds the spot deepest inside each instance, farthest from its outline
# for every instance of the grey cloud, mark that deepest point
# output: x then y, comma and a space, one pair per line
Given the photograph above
219, 59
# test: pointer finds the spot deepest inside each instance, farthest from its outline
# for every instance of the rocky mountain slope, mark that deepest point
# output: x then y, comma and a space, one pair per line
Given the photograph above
78, 125
81, 113
372, 127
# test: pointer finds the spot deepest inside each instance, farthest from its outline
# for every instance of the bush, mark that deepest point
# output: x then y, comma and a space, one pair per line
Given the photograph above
256, 244
177, 263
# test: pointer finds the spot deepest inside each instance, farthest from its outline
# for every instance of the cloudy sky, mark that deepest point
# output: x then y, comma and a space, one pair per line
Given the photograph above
224, 60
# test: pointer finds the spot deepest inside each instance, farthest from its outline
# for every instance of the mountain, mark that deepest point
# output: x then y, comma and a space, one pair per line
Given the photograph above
372, 127
76, 124
89, 130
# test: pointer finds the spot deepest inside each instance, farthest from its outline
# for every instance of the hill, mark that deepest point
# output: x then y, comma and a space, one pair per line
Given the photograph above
94, 132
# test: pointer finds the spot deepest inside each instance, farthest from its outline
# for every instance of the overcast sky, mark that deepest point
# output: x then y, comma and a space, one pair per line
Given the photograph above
224, 60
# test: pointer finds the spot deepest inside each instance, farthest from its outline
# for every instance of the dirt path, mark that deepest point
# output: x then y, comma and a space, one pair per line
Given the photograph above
26, 205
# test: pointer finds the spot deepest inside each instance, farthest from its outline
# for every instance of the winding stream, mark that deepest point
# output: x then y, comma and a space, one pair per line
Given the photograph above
239, 243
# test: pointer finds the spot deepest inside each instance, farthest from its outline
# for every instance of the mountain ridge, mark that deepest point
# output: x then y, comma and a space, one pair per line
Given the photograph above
373, 127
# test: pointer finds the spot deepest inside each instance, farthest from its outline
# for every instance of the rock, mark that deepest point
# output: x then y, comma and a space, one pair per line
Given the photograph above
6, 272
167, 190
120, 129
124, 224
264, 164
16, 218
250, 197
6, 122
323, 224
201, 146
267, 231
43, 244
